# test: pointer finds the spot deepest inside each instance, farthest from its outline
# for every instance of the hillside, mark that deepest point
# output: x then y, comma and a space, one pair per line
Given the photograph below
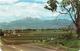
35, 23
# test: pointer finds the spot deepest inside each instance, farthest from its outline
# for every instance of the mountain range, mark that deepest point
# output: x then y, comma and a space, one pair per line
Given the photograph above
36, 23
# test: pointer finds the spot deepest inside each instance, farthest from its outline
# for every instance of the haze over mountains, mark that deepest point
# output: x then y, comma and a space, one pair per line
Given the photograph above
36, 23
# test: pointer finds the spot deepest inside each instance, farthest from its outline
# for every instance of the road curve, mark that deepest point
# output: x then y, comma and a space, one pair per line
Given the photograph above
24, 48
0, 45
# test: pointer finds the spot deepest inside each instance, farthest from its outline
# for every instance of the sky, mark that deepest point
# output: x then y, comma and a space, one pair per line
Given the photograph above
11, 10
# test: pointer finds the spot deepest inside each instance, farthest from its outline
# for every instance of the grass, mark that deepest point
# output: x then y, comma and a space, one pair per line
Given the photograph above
69, 46
64, 40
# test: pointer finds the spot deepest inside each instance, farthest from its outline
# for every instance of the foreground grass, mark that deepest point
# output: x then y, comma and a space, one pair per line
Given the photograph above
67, 42
61, 43
61, 40
73, 46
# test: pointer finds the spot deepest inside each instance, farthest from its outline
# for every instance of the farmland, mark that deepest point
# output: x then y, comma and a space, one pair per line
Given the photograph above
61, 39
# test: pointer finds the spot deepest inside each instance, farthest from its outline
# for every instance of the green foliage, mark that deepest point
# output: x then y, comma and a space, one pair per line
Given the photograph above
71, 3
65, 3
52, 5
72, 43
61, 39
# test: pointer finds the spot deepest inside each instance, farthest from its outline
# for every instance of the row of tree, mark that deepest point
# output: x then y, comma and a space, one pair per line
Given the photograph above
18, 31
1, 32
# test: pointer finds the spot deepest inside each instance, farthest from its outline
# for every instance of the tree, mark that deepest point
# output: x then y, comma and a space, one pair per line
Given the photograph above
1, 33
72, 8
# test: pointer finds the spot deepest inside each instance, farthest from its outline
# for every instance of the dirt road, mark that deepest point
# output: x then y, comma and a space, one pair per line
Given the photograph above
23, 48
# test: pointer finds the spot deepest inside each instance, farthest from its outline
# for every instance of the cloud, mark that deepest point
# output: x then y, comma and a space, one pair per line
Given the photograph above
7, 1
37, 1
21, 10
59, 0
41, 0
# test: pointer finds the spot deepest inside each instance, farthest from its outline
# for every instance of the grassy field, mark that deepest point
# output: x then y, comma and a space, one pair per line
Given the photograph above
58, 39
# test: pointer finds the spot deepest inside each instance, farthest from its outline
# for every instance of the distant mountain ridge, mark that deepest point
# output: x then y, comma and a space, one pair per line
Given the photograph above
35, 23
